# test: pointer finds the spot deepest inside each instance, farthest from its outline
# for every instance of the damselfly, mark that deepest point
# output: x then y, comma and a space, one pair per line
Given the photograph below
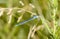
21, 23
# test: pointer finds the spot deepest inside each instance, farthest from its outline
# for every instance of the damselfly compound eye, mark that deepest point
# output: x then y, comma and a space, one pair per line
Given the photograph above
35, 16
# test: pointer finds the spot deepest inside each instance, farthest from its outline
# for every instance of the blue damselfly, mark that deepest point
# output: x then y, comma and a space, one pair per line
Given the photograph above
21, 23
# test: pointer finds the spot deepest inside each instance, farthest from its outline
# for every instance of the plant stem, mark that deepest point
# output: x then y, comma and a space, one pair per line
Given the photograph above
54, 4
35, 2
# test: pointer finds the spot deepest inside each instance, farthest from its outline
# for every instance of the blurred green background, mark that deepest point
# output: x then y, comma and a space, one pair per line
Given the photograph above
46, 26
